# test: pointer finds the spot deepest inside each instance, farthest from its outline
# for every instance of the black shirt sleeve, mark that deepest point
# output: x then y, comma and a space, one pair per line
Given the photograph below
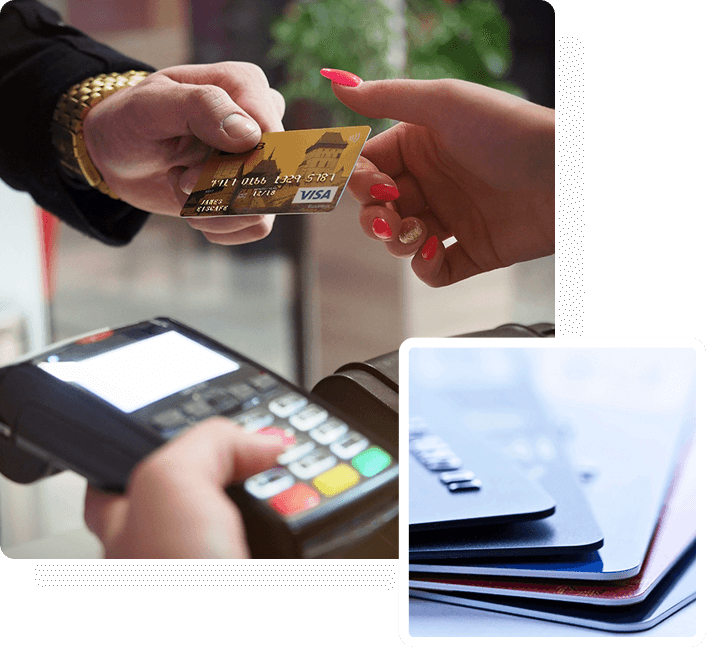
40, 58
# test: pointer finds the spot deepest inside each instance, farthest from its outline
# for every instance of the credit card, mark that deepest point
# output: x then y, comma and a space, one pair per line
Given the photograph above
502, 414
295, 171
674, 536
675, 592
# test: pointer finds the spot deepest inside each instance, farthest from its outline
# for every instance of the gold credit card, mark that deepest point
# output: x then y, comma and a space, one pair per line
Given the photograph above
296, 171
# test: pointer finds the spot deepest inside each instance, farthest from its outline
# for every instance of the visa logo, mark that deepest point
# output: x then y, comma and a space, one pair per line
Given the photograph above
322, 194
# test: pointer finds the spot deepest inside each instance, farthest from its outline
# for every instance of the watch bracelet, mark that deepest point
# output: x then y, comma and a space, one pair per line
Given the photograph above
68, 118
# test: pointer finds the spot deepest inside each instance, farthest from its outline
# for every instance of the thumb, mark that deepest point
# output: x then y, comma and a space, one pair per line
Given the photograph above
217, 451
232, 455
206, 111
217, 120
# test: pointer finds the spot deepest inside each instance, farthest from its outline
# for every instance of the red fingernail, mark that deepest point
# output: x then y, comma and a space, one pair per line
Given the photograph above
381, 229
429, 249
386, 192
341, 77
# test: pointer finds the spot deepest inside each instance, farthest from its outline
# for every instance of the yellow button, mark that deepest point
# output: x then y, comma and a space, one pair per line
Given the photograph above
336, 480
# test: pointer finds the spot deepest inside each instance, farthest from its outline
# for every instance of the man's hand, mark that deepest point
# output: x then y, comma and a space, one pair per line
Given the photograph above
150, 141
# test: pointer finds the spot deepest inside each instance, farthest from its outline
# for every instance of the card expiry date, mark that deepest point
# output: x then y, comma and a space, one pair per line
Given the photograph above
296, 171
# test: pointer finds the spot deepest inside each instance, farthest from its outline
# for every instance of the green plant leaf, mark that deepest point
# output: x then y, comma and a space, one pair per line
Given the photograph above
464, 40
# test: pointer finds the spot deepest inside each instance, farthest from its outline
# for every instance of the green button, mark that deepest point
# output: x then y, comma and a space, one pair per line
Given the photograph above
371, 461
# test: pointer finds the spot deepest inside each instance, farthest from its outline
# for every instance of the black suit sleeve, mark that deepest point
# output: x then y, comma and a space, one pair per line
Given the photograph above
40, 58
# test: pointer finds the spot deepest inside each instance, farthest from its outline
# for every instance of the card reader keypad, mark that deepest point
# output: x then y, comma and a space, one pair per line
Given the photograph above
322, 457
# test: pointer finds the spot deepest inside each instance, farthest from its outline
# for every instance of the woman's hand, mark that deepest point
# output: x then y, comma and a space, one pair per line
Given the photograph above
467, 162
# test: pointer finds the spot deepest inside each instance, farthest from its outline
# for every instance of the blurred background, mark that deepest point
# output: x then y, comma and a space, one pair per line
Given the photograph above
317, 293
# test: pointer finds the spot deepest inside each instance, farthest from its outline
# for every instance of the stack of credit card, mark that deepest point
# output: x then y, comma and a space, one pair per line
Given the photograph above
577, 480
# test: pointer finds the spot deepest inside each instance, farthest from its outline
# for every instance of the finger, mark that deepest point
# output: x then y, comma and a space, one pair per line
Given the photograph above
173, 180
384, 223
278, 102
402, 237
417, 102
216, 451
185, 151
380, 222
265, 107
250, 234
384, 153
104, 513
462, 116
424, 102
225, 224
439, 267
369, 186
189, 177
411, 235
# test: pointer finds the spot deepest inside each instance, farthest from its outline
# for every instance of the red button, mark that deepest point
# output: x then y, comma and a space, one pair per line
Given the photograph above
287, 435
297, 498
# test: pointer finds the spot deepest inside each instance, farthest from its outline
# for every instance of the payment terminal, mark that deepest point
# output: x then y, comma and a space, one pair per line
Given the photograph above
99, 404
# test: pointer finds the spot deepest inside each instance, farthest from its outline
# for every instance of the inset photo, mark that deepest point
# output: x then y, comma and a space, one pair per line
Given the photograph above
550, 488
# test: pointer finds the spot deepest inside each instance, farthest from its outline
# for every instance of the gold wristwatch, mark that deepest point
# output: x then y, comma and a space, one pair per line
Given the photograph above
67, 123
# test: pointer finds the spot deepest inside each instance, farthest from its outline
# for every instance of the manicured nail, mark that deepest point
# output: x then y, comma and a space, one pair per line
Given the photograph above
386, 192
429, 249
341, 77
238, 126
381, 229
410, 232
